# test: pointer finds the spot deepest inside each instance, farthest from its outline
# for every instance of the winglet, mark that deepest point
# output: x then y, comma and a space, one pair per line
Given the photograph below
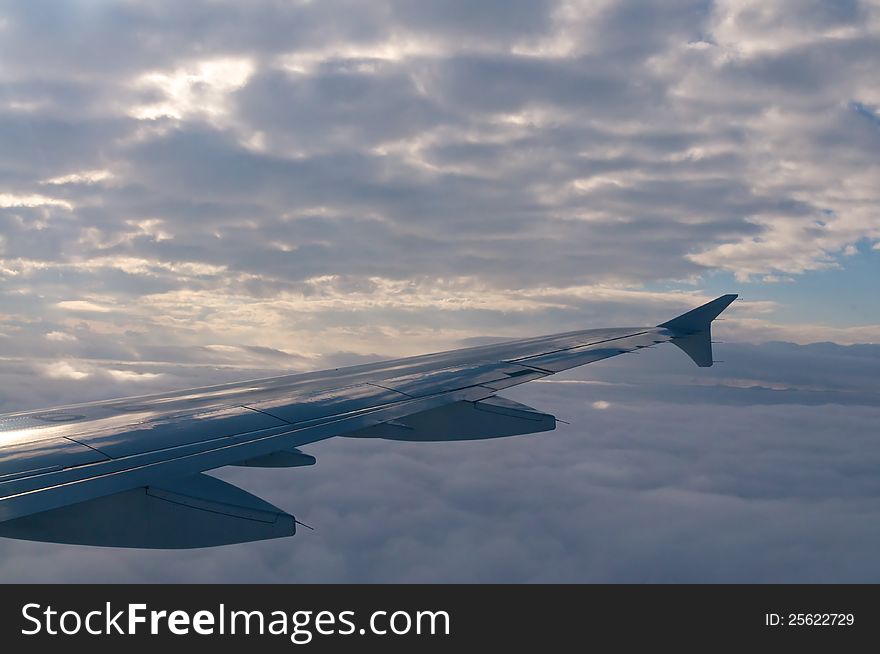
699, 319
692, 330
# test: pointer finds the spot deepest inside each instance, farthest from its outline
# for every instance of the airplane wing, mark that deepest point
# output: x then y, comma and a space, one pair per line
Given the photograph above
129, 472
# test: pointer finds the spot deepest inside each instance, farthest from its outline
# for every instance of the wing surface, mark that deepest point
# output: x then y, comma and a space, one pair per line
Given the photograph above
68, 455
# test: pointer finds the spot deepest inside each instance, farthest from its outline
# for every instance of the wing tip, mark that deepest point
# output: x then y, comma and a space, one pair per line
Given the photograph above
700, 318
692, 329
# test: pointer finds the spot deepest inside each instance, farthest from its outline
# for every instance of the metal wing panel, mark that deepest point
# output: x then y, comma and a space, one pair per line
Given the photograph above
554, 362
317, 404
174, 434
26, 495
449, 379
523, 376
46, 455
160, 431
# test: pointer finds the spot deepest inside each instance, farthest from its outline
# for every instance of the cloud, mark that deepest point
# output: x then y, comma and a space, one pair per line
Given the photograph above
686, 475
83, 305
542, 144
64, 370
194, 192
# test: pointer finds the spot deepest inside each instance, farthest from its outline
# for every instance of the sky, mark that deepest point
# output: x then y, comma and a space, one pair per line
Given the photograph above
205, 191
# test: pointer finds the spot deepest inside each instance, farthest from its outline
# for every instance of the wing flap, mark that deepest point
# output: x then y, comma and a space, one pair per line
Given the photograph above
493, 417
195, 511
281, 459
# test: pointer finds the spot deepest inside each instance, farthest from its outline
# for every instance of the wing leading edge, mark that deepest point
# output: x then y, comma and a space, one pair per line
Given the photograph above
129, 472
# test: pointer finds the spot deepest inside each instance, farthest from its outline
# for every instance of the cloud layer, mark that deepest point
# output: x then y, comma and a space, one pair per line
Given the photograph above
760, 469
209, 173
